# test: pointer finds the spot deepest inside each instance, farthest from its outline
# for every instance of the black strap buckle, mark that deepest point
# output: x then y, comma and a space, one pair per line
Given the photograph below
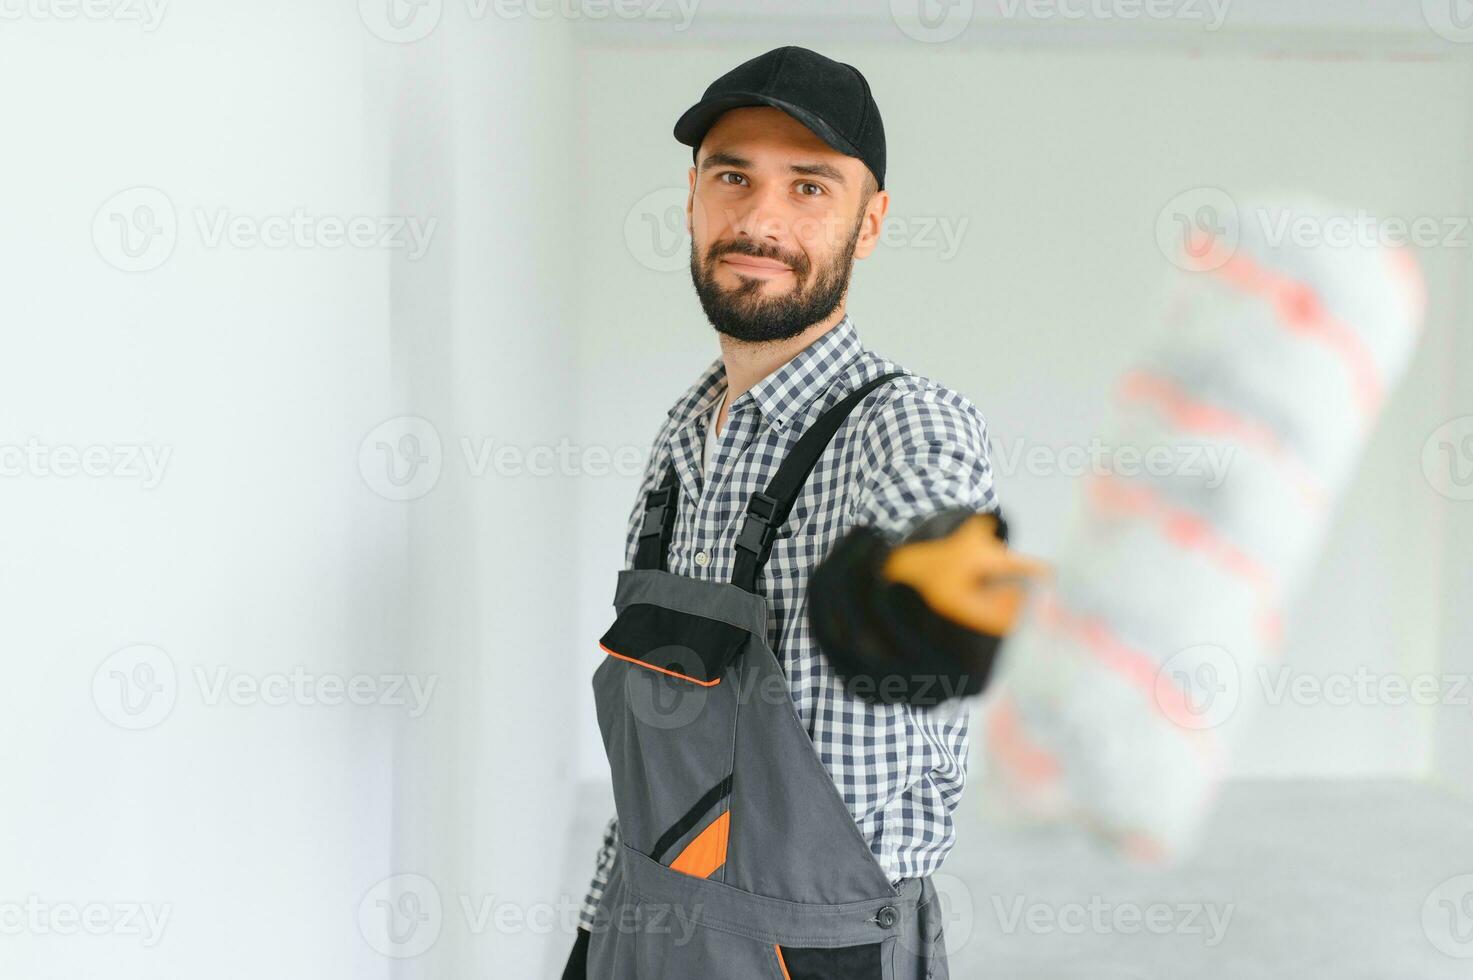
657, 511
758, 530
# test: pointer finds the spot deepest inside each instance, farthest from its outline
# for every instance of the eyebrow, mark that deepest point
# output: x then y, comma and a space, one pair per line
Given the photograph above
818, 170
723, 159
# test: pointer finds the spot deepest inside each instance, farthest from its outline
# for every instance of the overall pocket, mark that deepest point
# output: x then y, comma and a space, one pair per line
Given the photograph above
678, 644
688, 950
666, 699
865, 962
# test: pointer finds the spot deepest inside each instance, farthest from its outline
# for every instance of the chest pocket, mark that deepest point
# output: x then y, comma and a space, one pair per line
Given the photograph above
677, 644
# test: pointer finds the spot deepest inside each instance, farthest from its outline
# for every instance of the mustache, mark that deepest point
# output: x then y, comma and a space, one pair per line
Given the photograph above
797, 262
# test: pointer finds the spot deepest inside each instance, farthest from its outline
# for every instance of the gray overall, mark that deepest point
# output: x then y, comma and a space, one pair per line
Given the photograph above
738, 857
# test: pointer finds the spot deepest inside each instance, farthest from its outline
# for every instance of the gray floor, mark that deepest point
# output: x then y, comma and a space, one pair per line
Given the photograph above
1293, 880
1319, 880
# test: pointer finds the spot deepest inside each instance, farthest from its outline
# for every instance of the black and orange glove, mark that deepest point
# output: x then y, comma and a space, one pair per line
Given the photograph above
919, 622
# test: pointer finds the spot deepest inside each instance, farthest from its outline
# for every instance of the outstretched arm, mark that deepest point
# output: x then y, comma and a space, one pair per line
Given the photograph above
910, 605
919, 621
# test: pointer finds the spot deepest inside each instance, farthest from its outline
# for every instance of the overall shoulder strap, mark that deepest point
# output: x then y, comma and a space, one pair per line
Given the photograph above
659, 520
768, 510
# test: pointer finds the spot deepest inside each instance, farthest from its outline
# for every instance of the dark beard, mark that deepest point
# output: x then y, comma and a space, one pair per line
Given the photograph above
743, 313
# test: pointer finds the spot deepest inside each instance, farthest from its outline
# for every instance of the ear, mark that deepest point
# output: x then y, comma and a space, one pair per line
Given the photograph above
690, 198
871, 223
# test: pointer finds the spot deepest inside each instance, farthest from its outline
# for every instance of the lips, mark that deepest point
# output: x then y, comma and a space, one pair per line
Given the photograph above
752, 265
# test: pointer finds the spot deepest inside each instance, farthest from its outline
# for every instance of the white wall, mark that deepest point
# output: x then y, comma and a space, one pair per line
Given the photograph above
1050, 167
259, 549
265, 831
477, 123
1449, 477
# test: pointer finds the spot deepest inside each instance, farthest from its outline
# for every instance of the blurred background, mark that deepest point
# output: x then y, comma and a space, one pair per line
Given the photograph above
335, 338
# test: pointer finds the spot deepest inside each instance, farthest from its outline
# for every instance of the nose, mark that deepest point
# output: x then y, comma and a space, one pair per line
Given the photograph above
762, 217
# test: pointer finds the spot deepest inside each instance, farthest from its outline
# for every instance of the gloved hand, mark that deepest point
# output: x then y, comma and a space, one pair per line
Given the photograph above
918, 623
968, 576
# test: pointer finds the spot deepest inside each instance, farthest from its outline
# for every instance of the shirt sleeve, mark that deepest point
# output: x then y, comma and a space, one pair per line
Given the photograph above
926, 451
603, 865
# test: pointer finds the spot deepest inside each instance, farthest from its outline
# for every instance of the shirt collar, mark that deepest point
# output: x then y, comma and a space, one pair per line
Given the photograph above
786, 392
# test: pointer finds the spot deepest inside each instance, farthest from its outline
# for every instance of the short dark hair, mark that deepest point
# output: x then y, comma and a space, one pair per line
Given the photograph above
868, 189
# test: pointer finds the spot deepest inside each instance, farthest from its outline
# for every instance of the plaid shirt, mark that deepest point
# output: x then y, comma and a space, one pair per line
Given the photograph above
910, 448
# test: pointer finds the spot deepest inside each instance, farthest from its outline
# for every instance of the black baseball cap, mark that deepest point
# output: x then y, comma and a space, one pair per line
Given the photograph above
828, 97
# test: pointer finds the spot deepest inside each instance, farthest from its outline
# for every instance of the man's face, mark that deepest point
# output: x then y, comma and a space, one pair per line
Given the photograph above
777, 217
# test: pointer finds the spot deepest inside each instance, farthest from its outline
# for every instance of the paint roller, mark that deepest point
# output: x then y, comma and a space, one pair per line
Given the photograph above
1107, 705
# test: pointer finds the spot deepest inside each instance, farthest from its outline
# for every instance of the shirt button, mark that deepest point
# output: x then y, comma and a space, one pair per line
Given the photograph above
702, 558
887, 917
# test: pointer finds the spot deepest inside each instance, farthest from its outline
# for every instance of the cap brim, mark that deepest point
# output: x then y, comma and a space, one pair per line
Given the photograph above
691, 127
